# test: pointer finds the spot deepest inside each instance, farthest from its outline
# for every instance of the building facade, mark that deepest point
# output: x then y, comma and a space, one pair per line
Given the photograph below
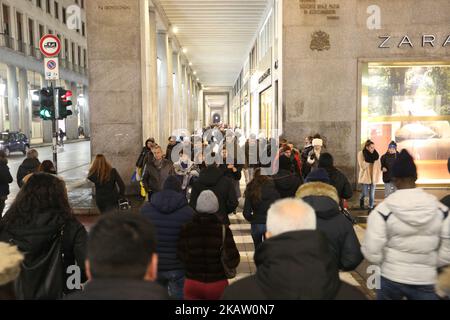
22, 24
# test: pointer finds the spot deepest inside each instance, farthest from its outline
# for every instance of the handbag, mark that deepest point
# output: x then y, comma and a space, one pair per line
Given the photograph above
230, 273
43, 278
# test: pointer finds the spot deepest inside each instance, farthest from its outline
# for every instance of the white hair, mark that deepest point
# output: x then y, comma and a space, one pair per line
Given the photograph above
290, 215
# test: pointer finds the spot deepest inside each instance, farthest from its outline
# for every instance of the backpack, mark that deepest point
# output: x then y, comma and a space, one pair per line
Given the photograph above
43, 278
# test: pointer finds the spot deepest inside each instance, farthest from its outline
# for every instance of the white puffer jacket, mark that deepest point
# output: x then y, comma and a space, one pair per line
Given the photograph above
408, 235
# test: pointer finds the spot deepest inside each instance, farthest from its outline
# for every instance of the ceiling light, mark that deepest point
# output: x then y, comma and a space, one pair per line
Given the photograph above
195, 72
184, 50
198, 79
175, 29
190, 64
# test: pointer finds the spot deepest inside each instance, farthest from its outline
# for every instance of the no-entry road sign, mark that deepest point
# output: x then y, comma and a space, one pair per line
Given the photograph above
50, 45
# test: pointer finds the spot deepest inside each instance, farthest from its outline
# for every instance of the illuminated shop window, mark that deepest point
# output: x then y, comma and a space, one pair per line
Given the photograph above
410, 104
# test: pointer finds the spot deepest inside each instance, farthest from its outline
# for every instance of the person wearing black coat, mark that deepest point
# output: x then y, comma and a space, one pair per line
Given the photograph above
295, 265
29, 165
232, 171
39, 215
387, 162
5, 180
145, 153
169, 210
212, 178
109, 186
259, 196
200, 247
286, 182
339, 231
337, 178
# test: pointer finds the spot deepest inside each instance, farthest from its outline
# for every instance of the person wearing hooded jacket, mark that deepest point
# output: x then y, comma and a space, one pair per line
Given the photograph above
212, 178
168, 210
294, 263
286, 182
200, 246
323, 197
408, 236
29, 165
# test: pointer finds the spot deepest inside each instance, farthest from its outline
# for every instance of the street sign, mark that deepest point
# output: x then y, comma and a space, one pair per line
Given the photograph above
50, 45
51, 69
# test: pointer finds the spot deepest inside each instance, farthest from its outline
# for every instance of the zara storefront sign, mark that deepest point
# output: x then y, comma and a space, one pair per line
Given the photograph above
426, 40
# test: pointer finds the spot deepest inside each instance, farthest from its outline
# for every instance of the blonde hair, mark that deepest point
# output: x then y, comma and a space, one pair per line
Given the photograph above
10, 262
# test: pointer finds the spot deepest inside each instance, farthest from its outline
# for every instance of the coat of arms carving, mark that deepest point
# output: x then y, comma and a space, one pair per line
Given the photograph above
320, 41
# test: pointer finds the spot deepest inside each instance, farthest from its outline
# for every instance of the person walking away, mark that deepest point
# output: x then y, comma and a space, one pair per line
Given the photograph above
408, 237
337, 178
200, 248
260, 194
252, 162
294, 263
387, 161
109, 186
61, 135
169, 210
46, 166
158, 169
40, 222
122, 263
369, 173
324, 199
233, 171
286, 182
29, 165
5, 180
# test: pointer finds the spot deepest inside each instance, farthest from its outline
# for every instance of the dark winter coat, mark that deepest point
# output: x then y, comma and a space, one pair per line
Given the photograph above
5, 179
35, 238
108, 194
229, 172
199, 248
168, 211
339, 231
121, 289
256, 213
143, 157
28, 166
287, 183
446, 201
292, 266
387, 161
212, 178
340, 182
154, 178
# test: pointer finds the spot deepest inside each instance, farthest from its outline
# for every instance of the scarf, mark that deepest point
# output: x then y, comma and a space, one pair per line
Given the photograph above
370, 157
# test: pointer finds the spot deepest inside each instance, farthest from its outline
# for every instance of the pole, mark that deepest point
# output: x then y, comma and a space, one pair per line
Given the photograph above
55, 127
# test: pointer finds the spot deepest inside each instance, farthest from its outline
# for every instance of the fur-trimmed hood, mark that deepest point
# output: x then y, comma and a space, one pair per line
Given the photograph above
443, 283
317, 189
322, 197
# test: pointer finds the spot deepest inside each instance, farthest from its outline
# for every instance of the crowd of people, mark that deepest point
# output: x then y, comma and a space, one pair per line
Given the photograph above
181, 245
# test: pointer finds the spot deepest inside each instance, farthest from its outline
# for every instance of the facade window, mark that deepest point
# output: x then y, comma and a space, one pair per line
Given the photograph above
64, 15
66, 49
41, 31
56, 10
39, 3
83, 29
409, 104
31, 33
49, 8
6, 21
19, 22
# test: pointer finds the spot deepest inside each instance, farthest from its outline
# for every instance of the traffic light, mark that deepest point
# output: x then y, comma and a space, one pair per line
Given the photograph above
47, 103
36, 103
65, 101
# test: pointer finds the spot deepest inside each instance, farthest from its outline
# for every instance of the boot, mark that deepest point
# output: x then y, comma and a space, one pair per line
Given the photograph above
361, 204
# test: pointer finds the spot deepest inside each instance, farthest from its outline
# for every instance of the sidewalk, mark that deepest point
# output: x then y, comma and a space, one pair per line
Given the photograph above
49, 144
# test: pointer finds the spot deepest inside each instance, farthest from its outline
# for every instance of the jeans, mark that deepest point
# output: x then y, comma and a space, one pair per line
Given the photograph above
2, 204
173, 281
258, 234
368, 190
249, 174
389, 188
391, 290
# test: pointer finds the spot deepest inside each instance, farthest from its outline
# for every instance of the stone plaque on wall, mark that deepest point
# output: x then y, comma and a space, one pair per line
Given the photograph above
319, 8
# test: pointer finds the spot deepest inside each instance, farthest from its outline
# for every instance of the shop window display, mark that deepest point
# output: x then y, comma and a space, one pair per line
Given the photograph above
410, 104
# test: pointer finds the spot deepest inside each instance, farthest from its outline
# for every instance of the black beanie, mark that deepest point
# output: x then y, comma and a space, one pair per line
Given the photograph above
404, 166
172, 183
285, 163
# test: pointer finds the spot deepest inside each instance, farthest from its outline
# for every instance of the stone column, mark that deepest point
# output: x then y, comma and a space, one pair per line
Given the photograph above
115, 78
184, 94
13, 94
25, 113
152, 128
176, 92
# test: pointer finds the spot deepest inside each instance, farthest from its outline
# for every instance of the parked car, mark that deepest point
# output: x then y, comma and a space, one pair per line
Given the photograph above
14, 142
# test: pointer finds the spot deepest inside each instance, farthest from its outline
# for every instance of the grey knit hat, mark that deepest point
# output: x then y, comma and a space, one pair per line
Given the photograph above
207, 202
